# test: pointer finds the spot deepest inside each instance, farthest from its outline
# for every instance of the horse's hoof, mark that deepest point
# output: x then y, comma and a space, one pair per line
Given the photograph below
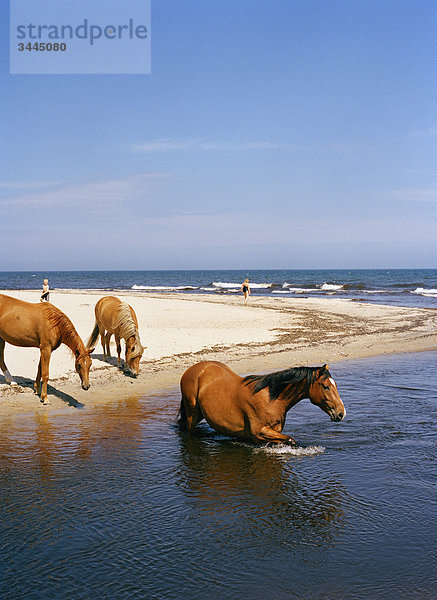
8, 378
45, 401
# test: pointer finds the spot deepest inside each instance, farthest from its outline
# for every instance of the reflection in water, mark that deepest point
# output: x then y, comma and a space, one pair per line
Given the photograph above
233, 486
47, 462
45, 450
45, 440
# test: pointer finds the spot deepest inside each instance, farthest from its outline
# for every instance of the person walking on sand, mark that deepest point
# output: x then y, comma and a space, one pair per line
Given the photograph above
45, 296
245, 288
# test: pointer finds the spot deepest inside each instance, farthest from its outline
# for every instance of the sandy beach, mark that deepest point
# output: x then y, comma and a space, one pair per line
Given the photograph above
179, 330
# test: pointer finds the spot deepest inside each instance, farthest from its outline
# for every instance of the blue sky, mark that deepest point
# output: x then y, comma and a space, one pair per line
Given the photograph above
280, 134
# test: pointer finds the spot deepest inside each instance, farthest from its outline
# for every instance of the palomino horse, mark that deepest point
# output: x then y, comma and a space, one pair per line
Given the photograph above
45, 327
253, 407
116, 317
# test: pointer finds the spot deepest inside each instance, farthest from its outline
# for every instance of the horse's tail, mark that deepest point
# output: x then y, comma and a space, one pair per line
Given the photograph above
182, 420
93, 337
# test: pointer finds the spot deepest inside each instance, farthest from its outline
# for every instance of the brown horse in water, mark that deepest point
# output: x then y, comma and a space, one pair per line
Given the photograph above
253, 407
116, 317
45, 327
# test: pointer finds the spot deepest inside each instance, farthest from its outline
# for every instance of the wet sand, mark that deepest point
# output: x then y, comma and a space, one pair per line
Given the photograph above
179, 330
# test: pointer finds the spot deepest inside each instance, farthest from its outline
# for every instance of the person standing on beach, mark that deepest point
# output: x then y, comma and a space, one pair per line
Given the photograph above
245, 288
45, 296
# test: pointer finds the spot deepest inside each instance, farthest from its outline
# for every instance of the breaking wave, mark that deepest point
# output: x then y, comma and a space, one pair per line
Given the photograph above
225, 284
325, 287
331, 287
163, 288
429, 292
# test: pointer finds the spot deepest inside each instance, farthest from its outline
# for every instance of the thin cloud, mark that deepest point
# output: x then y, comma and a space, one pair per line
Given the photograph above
169, 145
198, 145
108, 192
27, 185
416, 194
424, 133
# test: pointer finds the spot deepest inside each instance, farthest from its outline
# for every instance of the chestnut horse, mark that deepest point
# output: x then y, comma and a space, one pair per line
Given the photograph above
116, 317
43, 326
253, 407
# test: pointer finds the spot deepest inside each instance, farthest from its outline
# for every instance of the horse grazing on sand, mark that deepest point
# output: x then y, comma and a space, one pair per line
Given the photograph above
254, 407
43, 326
116, 317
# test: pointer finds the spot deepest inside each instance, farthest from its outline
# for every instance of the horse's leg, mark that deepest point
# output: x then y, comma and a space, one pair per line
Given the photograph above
108, 344
103, 341
38, 378
190, 414
4, 368
267, 434
117, 341
46, 352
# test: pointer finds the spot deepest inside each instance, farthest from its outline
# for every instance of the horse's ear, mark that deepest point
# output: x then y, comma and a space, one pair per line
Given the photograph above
90, 350
325, 367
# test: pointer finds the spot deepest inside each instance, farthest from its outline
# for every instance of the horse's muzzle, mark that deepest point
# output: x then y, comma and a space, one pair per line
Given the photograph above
86, 387
338, 417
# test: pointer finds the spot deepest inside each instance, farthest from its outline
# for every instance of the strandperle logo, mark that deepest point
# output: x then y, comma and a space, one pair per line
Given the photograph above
83, 31
100, 37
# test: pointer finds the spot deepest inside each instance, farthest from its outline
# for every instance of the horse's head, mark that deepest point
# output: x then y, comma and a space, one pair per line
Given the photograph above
134, 352
323, 392
83, 365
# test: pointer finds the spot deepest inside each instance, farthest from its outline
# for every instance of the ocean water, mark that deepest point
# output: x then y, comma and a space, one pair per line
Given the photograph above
115, 502
404, 287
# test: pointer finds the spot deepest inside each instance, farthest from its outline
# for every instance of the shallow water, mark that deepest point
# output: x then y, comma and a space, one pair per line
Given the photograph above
115, 502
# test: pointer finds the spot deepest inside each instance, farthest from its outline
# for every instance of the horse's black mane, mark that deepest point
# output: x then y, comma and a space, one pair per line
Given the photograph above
278, 382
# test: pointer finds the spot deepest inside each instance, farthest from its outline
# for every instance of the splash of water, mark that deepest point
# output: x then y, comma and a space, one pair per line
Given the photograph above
285, 449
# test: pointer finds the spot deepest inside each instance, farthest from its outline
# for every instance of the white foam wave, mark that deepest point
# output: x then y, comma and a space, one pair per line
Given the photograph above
208, 289
428, 292
226, 284
260, 285
161, 288
330, 287
296, 290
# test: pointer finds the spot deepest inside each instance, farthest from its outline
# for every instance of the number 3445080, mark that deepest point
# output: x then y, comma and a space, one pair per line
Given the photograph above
42, 47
